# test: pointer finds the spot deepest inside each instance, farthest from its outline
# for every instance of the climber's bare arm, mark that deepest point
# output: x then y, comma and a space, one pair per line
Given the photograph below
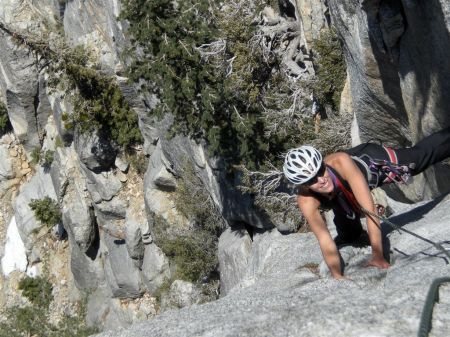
309, 206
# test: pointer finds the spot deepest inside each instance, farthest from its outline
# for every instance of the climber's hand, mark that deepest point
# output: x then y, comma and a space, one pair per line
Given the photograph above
378, 262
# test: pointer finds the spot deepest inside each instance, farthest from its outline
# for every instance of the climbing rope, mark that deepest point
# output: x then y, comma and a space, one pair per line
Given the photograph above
437, 245
427, 311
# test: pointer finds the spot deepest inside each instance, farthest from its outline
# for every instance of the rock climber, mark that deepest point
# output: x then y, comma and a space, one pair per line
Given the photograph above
342, 181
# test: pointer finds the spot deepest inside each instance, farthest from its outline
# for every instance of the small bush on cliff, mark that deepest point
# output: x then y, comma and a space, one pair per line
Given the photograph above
33, 320
48, 158
4, 119
98, 103
44, 158
331, 69
193, 255
139, 162
193, 200
193, 250
38, 290
47, 211
36, 155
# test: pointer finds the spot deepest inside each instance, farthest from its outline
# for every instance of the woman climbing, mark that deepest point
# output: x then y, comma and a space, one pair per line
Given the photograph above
343, 180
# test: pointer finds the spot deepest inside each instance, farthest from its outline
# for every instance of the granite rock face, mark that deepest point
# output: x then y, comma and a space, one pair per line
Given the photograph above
284, 294
235, 246
396, 53
397, 89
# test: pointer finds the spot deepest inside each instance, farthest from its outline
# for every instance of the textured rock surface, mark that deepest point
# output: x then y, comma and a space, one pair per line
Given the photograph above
395, 67
283, 295
70, 185
234, 251
96, 152
398, 90
181, 294
95, 23
314, 18
155, 267
121, 273
39, 187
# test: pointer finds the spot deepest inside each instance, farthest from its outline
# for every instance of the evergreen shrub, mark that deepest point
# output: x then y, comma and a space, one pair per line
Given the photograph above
38, 290
193, 251
4, 119
98, 103
47, 211
223, 109
33, 320
331, 69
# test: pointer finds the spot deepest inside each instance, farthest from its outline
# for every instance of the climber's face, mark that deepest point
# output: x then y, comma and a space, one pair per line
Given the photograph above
321, 182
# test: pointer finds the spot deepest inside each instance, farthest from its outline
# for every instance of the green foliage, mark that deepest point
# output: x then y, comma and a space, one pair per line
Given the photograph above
206, 103
4, 119
26, 321
34, 320
47, 211
74, 325
98, 103
193, 254
59, 142
36, 155
168, 39
38, 290
44, 158
47, 158
139, 162
193, 251
331, 69
194, 202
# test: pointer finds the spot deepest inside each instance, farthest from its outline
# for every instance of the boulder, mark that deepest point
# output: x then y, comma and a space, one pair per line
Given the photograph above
112, 313
133, 240
234, 250
155, 267
122, 276
6, 166
95, 151
181, 294
24, 90
114, 209
85, 266
70, 185
103, 186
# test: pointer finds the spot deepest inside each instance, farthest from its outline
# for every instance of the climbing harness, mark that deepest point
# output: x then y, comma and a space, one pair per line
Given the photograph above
388, 170
427, 312
394, 172
438, 246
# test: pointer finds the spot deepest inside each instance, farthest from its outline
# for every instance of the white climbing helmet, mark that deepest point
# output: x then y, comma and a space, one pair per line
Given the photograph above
302, 164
